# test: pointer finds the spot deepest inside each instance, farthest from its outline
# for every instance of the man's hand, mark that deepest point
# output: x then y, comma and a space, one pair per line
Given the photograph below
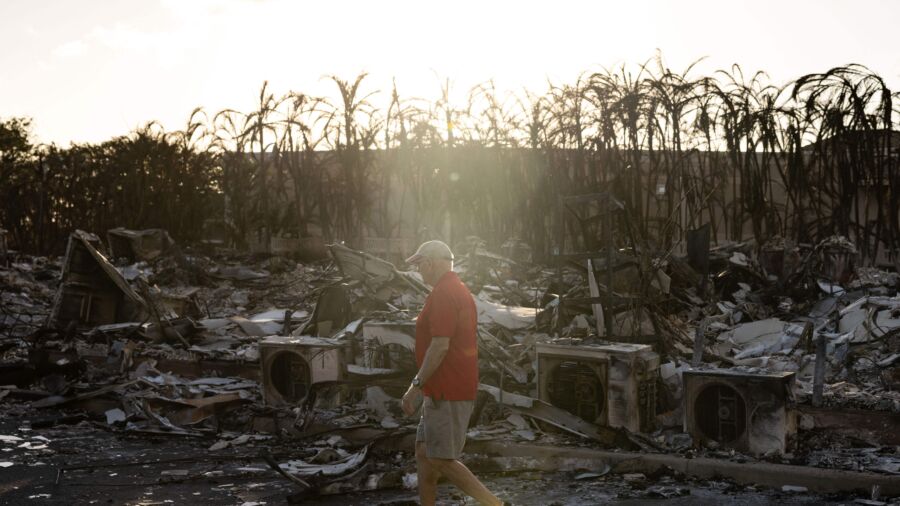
410, 398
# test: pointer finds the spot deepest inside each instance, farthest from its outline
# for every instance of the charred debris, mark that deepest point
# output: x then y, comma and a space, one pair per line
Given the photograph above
778, 354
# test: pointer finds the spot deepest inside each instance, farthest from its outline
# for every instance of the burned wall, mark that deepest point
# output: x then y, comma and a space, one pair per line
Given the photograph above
495, 193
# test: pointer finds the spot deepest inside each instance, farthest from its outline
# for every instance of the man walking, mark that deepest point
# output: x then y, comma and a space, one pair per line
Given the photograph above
447, 356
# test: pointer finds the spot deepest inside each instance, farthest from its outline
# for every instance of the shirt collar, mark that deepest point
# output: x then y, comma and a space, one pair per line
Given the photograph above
445, 278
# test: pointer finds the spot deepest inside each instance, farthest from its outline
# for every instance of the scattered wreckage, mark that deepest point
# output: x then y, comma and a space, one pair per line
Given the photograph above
732, 353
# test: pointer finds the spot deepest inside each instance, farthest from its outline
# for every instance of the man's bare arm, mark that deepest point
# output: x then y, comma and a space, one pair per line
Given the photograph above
434, 355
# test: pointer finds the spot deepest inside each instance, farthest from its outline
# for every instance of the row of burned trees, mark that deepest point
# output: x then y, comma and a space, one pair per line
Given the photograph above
812, 158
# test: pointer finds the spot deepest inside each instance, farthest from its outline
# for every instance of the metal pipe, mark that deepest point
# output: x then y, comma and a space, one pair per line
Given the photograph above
819, 373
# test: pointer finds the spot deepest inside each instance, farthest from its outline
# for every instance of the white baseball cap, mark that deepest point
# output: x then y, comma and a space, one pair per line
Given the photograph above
431, 249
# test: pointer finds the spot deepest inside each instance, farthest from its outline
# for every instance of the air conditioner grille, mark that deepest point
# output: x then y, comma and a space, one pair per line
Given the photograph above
576, 387
289, 373
720, 413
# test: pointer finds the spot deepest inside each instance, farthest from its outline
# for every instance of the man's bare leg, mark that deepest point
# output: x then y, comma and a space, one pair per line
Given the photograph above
459, 475
427, 476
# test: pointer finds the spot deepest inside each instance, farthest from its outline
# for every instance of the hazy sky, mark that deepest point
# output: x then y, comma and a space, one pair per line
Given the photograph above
91, 69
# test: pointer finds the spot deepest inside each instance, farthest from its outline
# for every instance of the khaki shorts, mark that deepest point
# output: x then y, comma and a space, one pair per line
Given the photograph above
443, 427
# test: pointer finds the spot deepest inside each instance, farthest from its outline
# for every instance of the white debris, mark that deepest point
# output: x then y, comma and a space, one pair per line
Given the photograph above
511, 317
302, 468
212, 381
242, 439
115, 415
411, 481
739, 258
277, 315
527, 435
517, 420
830, 288
219, 445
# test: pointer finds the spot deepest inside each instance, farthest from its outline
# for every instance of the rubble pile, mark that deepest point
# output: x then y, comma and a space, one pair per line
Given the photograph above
698, 357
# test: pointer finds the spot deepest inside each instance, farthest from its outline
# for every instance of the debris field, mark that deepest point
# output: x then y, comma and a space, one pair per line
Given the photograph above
137, 370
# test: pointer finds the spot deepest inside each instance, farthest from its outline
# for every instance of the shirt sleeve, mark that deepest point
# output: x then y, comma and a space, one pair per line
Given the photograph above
443, 316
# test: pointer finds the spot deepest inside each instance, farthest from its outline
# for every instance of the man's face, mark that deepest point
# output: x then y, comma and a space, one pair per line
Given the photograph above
427, 269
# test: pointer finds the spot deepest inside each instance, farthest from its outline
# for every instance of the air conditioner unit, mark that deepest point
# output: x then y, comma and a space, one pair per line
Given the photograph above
612, 384
292, 365
389, 345
748, 412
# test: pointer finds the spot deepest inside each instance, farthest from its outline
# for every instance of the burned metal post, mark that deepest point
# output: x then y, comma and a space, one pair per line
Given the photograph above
607, 237
286, 329
699, 343
819, 374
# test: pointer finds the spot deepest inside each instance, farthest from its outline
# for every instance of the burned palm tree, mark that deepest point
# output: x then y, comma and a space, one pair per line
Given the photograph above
349, 131
621, 99
739, 101
261, 133
16, 174
230, 142
852, 113
814, 158
673, 102
538, 193
298, 142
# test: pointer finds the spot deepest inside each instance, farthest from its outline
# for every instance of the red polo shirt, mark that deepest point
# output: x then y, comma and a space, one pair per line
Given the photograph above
450, 312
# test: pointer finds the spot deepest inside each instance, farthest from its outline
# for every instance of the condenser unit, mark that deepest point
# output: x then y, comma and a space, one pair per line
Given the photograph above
612, 384
748, 412
390, 345
291, 366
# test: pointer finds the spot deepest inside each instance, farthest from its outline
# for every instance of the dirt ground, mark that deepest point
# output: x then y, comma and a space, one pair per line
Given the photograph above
146, 470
